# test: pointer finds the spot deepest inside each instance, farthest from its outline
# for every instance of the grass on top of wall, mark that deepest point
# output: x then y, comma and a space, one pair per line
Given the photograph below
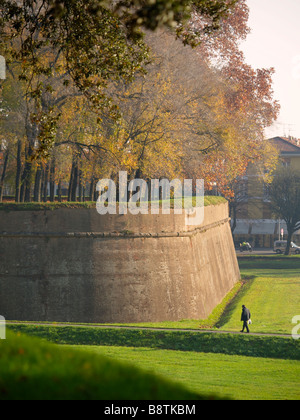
9, 206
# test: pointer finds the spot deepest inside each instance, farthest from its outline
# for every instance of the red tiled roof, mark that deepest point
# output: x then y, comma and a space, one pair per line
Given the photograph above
285, 145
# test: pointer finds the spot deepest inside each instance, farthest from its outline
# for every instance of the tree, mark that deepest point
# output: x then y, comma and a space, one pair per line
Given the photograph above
4, 156
97, 42
102, 92
243, 108
12, 120
266, 161
32, 117
159, 111
285, 199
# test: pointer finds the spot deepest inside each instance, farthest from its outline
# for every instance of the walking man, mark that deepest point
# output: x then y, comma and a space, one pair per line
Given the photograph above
246, 316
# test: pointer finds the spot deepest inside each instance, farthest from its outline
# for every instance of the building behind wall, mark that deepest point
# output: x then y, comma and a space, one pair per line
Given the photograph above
255, 222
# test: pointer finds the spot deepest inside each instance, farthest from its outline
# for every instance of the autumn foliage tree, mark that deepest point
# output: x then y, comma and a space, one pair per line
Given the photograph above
245, 104
98, 92
161, 112
98, 41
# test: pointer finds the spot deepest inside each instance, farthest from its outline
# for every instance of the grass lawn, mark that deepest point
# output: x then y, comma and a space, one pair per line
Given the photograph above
32, 369
271, 289
273, 301
238, 366
272, 292
223, 365
235, 377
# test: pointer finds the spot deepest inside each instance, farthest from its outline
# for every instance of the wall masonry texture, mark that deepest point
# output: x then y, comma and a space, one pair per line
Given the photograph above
72, 265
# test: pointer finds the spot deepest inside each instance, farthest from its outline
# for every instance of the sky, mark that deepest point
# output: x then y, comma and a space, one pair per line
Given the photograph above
275, 42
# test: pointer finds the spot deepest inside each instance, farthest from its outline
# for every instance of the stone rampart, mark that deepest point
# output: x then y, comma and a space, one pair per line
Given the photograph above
73, 265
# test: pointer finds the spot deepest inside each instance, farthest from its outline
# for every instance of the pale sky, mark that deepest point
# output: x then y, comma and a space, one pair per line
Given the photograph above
275, 42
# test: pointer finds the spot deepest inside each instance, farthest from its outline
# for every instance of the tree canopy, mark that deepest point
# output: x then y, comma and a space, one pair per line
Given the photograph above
157, 88
98, 40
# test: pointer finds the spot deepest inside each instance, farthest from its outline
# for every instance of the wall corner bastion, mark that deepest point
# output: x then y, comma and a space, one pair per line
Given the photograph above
73, 265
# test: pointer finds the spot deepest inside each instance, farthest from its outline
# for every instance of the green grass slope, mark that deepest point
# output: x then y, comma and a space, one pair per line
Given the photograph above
236, 377
32, 369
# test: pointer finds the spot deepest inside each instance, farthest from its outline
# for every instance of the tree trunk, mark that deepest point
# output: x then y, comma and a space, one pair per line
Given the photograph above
96, 194
38, 185
27, 174
81, 186
59, 194
75, 183
71, 183
32, 140
72, 193
22, 190
45, 186
3, 175
18, 173
233, 215
92, 189
52, 181
27, 179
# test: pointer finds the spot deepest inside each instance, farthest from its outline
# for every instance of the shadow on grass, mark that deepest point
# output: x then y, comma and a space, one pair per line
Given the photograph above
192, 341
235, 302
